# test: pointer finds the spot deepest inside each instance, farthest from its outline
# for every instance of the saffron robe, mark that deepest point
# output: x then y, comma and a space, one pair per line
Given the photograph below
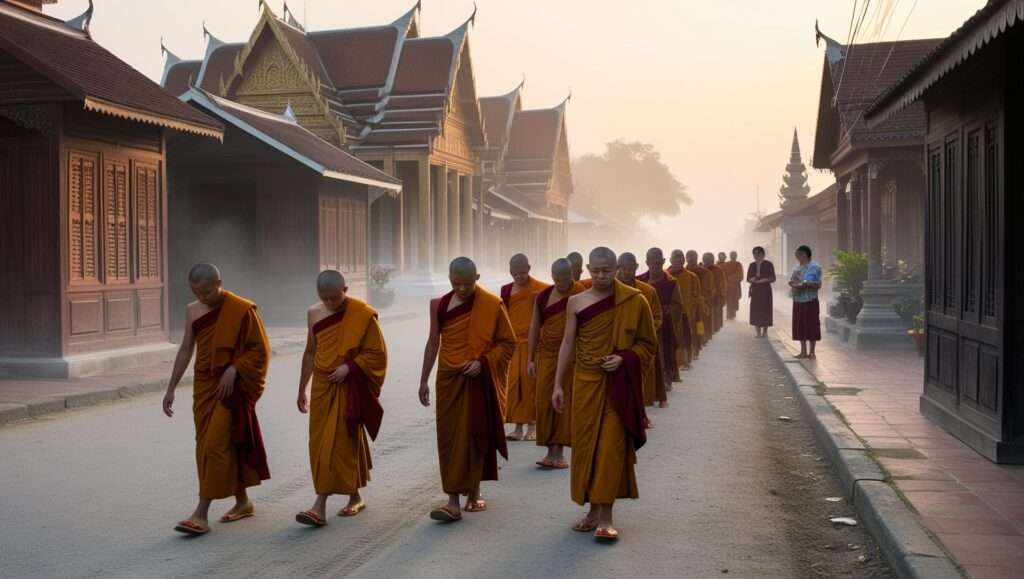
342, 415
653, 378
552, 427
521, 402
693, 302
230, 455
470, 410
708, 291
717, 313
607, 408
674, 324
734, 287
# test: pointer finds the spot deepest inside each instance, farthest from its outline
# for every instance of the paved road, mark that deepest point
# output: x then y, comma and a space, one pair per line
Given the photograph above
724, 486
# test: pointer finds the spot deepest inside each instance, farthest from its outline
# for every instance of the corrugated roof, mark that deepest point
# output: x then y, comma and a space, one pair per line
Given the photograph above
89, 72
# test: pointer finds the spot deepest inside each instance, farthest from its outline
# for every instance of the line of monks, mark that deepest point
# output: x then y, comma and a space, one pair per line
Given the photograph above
572, 364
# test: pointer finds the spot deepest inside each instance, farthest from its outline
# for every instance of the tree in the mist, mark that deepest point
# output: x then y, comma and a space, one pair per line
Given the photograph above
627, 182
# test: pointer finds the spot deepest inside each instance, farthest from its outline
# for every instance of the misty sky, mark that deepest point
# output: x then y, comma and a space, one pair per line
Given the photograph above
717, 85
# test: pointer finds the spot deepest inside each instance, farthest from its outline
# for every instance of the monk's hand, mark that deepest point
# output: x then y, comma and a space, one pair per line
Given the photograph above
227, 383
531, 369
303, 401
611, 363
425, 394
472, 369
558, 400
339, 374
168, 402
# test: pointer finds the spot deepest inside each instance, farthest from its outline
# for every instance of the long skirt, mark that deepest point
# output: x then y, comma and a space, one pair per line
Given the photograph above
806, 321
761, 305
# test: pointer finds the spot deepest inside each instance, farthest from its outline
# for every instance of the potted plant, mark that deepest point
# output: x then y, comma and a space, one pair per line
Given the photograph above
382, 295
917, 332
850, 270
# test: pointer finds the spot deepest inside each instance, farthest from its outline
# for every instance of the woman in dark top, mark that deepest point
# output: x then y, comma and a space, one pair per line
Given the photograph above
760, 276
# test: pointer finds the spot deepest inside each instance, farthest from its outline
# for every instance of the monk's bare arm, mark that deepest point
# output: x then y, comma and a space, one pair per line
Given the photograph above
181, 360
565, 354
306, 370
430, 353
534, 336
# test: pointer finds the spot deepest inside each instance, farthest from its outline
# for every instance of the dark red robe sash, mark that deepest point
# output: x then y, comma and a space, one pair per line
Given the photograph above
329, 321
443, 314
205, 321
625, 394
486, 426
554, 309
506, 294
246, 434
593, 310
362, 407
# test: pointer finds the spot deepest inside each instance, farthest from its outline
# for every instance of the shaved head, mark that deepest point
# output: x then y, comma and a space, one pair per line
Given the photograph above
692, 254
627, 260
203, 272
462, 266
602, 266
709, 258
677, 253
733, 255
519, 260
602, 253
561, 266
561, 274
575, 258
626, 272
330, 280
655, 253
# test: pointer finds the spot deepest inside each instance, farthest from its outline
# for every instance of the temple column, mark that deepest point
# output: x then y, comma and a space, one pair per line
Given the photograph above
856, 225
440, 194
424, 241
466, 219
397, 219
874, 222
454, 213
842, 214
480, 245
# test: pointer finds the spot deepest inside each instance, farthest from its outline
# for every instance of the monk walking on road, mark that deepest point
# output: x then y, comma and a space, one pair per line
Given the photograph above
546, 330
734, 275
673, 318
519, 297
472, 337
654, 381
611, 330
718, 300
347, 359
693, 304
232, 358
707, 293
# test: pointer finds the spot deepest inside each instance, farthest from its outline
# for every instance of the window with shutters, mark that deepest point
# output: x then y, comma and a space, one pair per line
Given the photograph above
116, 221
148, 206
83, 228
950, 224
933, 258
343, 233
971, 214
991, 236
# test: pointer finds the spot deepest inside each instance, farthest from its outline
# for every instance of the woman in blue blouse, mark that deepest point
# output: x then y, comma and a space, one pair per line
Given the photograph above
805, 283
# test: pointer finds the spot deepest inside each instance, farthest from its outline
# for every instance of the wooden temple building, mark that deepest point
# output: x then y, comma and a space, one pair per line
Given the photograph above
83, 199
879, 172
407, 105
970, 93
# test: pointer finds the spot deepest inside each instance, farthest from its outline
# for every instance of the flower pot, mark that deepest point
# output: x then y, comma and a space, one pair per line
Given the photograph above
381, 298
852, 310
920, 340
837, 309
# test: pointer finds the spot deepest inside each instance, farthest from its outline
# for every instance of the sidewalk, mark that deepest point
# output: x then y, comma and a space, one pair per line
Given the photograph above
974, 507
24, 398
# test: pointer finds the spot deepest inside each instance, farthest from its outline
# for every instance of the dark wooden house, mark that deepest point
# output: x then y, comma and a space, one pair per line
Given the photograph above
83, 218
272, 206
972, 89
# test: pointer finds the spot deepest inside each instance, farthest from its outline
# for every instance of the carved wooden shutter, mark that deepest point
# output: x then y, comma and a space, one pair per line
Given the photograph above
147, 214
115, 238
82, 208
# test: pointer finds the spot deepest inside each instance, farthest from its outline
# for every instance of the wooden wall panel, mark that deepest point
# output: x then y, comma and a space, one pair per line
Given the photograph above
85, 314
150, 306
119, 309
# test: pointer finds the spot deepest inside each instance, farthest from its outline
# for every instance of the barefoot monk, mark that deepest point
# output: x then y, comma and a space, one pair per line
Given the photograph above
232, 358
611, 330
472, 339
347, 359
519, 297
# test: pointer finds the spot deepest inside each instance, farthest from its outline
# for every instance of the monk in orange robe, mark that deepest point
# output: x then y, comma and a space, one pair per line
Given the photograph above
546, 330
694, 307
611, 330
734, 273
674, 321
232, 358
707, 290
519, 298
654, 381
576, 261
718, 305
347, 359
471, 336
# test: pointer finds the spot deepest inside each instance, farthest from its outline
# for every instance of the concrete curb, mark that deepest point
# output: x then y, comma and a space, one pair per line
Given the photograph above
908, 547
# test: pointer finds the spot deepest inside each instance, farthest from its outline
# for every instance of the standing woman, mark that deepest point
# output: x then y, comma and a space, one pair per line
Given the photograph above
761, 276
806, 281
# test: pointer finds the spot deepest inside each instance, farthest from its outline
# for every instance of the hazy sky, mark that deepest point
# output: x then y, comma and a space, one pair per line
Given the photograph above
716, 86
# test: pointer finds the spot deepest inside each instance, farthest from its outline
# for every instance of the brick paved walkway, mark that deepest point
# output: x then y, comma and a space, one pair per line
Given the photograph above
975, 507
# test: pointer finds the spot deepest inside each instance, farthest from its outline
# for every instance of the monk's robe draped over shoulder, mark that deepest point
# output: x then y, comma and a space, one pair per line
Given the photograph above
552, 427
470, 410
607, 410
720, 291
230, 455
734, 286
653, 378
342, 415
707, 292
521, 402
693, 304
673, 331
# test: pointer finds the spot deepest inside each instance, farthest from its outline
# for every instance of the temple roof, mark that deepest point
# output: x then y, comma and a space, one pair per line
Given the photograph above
282, 133
534, 141
852, 78
88, 72
497, 113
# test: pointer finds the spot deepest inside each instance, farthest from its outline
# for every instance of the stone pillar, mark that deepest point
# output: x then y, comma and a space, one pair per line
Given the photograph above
441, 219
480, 244
874, 222
424, 204
842, 214
398, 219
454, 213
466, 219
856, 225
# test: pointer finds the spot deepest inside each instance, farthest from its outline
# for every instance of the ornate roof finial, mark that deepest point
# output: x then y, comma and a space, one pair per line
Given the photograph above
289, 18
83, 20
472, 17
833, 50
289, 112
794, 182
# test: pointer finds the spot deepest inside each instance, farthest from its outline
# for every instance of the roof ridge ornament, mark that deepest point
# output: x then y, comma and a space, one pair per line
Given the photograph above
212, 42
170, 60
82, 21
289, 113
834, 51
457, 35
289, 17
